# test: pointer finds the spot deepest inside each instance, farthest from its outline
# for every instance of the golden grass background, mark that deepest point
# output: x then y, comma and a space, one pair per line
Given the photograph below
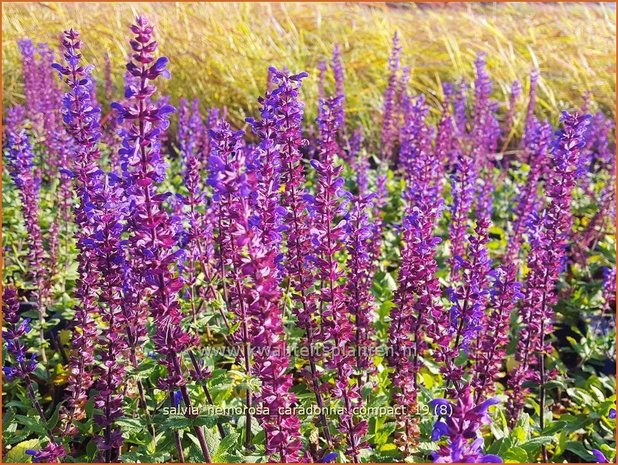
220, 52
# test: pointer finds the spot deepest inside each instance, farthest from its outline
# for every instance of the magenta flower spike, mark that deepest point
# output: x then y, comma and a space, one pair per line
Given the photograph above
328, 236
100, 215
549, 234
461, 424
152, 232
360, 301
389, 127
538, 144
252, 252
22, 367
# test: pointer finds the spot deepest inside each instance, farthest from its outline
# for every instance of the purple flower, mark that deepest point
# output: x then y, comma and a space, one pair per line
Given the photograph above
599, 456
152, 232
389, 129
27, 179
328, 236
51, 453
549, 235
263, 249
469, 300
491, 348
360, 276
418, 313
612, 413
416, 157
100, 216
12, 333
462, 427
23, 366
330, 457
538, 142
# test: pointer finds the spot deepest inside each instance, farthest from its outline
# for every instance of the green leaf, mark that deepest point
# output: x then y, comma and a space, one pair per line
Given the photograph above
578, 449
212, 440
533, 446
177, 422
32, 425
17, 454
225, 445
515, 455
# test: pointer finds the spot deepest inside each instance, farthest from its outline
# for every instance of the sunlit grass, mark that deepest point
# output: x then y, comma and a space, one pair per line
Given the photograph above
221, 52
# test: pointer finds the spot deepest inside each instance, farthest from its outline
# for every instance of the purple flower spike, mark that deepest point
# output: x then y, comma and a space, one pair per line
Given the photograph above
389, 127
22, 366
328, 236
462, 427
27, 179
550, 232
418, 319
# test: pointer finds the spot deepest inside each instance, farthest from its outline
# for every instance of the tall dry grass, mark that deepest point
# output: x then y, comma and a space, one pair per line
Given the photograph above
220, 51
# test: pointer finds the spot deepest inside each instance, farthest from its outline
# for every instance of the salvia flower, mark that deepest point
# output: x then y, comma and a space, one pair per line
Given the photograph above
328, 236
462, 427
418, 316
152, 233
463, 190
490, 351
389, 130
255, 294
360, 276
599, 456
550, 232
299, 261
81, 120
51, 453
27, 179
469, 299
537, 147
22, 366
12, 334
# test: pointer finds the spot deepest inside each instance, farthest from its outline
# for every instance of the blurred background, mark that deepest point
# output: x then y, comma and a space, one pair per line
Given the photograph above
220, 52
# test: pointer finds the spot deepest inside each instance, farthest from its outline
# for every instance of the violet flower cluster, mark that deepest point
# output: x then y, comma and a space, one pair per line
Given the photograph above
418, 314
462, 428
469, 298
256, 294
82, 123
22, 368
490, 351
389, 127
360, 301
546, 260
27, 179
328, 236
537, 147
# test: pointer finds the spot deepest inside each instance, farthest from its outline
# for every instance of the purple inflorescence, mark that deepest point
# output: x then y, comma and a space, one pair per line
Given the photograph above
22, 366
462, 428
328, 236
549, 233
389, 128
